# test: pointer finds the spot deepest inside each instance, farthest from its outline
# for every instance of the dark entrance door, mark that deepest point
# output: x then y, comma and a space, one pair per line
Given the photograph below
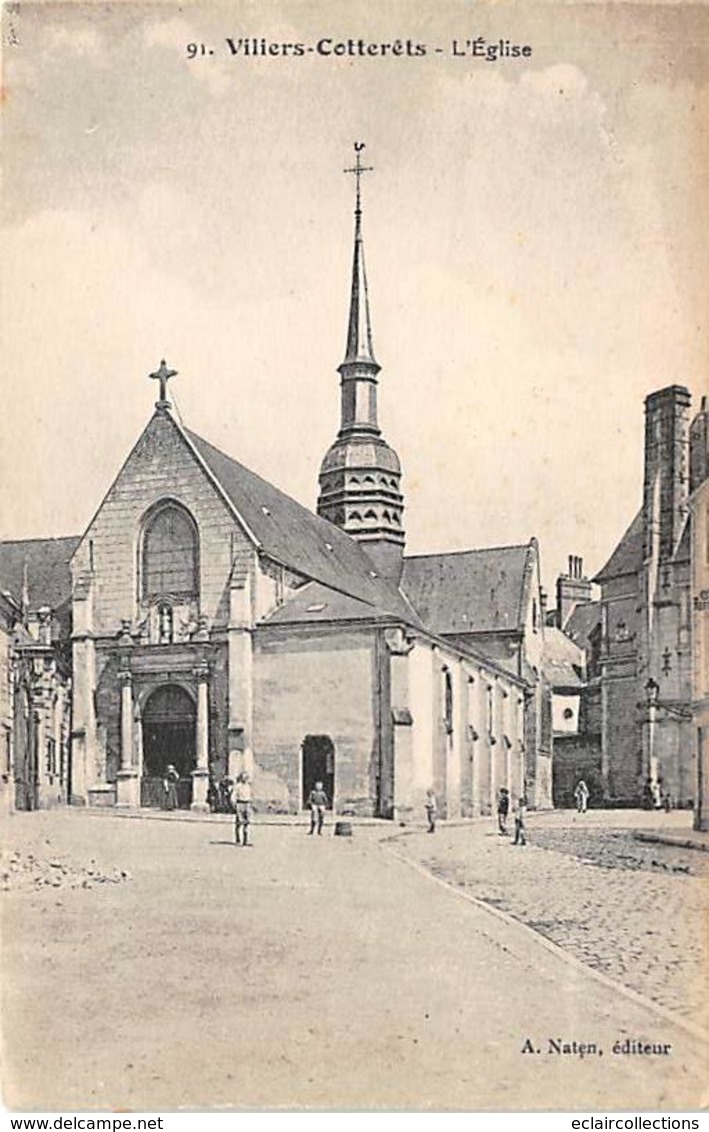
168, 737
318, 766
26, 753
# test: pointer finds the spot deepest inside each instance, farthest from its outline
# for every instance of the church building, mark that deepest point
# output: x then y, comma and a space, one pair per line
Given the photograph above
207, 620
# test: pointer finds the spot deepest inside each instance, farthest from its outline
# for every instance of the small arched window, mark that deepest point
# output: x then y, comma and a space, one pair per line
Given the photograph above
170, 560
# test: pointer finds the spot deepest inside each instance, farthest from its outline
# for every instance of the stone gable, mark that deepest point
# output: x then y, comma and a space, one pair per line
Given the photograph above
161, 466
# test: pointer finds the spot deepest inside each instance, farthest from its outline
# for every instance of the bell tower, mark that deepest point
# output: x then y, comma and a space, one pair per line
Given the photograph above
360, 475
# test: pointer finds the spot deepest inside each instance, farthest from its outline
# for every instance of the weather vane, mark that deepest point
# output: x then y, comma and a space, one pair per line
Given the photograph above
163, 375
358, 169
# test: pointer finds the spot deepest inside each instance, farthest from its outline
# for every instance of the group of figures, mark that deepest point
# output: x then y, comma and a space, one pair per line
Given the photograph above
230, 796
503, 813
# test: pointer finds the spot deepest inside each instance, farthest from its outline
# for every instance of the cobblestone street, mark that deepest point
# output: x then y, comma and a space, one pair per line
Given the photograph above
633, 910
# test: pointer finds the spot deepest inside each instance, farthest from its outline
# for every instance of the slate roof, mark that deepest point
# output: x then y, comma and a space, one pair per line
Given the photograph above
299, 539
48, 574
583, 620
562, 660
468, 591
627, 558
317, 603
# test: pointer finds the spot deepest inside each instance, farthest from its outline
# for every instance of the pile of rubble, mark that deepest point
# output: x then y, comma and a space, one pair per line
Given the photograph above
27, 872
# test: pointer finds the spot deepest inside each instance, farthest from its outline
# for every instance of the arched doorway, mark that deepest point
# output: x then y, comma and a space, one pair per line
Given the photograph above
168, 737
318, 766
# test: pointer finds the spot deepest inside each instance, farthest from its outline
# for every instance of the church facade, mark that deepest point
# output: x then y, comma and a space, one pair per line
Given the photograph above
216, 624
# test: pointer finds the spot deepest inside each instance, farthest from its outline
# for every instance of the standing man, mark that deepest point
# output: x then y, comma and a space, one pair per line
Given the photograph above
503, 809
520, 813
431, 808
317, 802
242, 808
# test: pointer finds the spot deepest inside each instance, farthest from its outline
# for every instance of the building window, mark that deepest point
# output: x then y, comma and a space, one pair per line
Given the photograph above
51, 758
448, 700
170, 558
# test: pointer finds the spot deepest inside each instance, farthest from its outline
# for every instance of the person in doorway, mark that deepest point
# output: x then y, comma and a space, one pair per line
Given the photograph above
655, 794
212, 796
317, 800
170, 787
242, 809
503, 809
520, 814
226, 790
431, 808
581, 794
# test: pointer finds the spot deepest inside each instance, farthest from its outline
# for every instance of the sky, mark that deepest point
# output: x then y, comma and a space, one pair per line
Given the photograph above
535, 229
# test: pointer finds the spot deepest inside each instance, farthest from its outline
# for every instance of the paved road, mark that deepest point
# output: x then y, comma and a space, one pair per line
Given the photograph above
302, 972
633, 910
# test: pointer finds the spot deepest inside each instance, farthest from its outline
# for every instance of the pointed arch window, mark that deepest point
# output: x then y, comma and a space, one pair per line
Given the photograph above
170, 554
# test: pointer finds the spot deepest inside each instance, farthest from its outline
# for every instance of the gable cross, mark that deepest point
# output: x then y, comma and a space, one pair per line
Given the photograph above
163, 375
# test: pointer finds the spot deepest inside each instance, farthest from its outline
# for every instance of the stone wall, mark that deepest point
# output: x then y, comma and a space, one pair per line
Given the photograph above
316, 682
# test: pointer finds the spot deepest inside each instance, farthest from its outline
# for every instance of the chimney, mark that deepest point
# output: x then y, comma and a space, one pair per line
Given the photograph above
666, 482
572, 589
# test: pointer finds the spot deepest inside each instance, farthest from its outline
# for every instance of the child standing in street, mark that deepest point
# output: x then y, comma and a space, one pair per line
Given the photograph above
520, 815
431, 808
317, 802
242, 809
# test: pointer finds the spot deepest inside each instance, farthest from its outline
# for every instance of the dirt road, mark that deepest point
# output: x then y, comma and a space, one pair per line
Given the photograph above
304, 972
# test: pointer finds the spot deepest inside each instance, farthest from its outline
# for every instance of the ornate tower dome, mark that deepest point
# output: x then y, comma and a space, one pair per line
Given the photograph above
360, 474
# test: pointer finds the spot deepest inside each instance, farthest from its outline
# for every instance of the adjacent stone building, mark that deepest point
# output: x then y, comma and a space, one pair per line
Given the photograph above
35, 672
699, 594
645, 653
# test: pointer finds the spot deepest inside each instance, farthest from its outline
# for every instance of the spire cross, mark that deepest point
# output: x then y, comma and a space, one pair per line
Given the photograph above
358, 169
163, 375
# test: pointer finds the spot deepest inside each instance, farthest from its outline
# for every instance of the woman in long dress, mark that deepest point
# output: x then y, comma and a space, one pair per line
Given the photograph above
170, 783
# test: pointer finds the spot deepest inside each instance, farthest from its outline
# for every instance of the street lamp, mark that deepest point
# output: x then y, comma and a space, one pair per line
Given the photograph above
652, 692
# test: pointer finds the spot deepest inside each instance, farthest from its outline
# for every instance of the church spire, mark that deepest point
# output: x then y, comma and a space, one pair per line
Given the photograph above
359, 329
360, 475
